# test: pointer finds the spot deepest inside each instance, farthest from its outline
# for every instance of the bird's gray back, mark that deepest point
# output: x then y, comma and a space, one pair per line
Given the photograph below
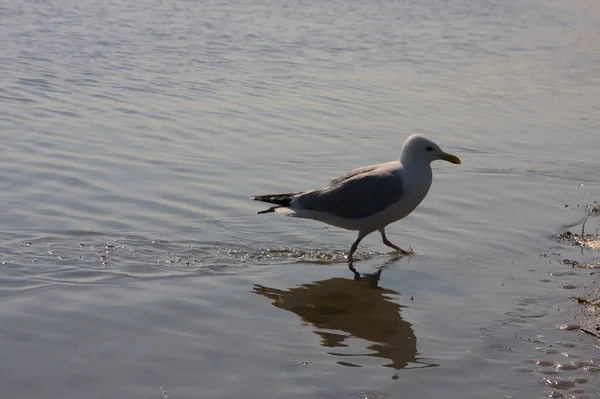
353, 173
359, 193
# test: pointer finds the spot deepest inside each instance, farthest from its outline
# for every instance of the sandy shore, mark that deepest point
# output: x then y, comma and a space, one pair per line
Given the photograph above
586, 311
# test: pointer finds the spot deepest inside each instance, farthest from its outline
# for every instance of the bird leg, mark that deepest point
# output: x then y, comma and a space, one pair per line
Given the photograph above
353, 247
389, 243
357, 276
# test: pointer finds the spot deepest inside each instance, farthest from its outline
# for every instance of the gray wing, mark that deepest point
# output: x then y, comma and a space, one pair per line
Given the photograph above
355, 195
353, 173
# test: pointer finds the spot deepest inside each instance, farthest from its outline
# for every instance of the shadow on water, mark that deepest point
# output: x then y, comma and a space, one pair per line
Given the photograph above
343, 308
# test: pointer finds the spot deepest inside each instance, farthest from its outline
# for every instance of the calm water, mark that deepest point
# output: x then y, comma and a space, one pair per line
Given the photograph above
132, 134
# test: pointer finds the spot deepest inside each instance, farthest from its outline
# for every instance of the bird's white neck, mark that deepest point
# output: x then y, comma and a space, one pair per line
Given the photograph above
410, 161
418, 168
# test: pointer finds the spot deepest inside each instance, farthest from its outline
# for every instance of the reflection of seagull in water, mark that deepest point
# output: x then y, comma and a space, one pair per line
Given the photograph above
341, 308
368, 198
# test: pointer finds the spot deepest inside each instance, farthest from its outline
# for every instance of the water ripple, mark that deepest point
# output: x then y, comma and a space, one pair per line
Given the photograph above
133, 134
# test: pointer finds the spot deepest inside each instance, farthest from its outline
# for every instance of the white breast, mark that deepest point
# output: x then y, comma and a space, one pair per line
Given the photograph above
416, 185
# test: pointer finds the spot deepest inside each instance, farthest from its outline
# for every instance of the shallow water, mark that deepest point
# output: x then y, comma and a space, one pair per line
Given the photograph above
132, 261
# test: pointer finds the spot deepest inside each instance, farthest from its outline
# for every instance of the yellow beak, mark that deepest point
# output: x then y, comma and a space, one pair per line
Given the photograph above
450, 158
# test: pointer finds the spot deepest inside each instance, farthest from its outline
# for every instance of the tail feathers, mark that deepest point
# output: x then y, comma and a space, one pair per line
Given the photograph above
281, 200
277, 199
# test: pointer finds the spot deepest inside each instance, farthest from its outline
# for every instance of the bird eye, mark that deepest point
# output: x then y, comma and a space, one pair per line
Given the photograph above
429, 148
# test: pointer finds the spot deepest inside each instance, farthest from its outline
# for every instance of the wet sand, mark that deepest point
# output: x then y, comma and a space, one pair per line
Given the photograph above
586, 312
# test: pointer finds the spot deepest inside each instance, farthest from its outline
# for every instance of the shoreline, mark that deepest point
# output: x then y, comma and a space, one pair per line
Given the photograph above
584, 311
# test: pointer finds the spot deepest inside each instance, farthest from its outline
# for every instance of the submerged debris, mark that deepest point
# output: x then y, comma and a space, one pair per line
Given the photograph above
580, 240
569, 327
581, 300
585, 301
594, 243
583, 265
560, 383
583, 240
593, 210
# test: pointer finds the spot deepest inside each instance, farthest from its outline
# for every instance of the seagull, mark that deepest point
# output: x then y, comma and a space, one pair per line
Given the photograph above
368, 198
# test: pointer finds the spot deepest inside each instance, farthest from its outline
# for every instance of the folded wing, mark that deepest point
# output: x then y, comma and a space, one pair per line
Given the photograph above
359, 193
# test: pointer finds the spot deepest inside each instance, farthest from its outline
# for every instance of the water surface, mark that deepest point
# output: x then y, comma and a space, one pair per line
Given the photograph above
132, 135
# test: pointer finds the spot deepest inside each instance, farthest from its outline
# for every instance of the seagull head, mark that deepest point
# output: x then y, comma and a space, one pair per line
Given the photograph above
418, 148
